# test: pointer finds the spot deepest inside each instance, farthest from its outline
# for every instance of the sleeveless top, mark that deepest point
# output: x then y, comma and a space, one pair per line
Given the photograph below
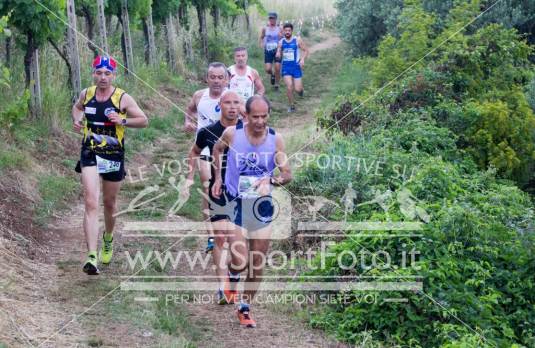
208, 113
100, 135
242, 84
247, 163
290, 51
271, 38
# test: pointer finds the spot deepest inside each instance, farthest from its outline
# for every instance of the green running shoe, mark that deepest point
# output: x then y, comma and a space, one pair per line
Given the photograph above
106, 252
90, 266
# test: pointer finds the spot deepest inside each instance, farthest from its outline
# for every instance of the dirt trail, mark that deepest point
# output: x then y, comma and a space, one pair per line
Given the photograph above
67, 296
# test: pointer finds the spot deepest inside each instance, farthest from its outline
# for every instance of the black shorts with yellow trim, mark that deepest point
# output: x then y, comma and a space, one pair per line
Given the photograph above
88, 158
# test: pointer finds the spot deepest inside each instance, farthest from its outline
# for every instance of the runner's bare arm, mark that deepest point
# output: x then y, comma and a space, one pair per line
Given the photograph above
258, 84
190, 117
194, 155
136, 118
218, 151
282, 162
304, 51
279, 49
262, 36
78, 112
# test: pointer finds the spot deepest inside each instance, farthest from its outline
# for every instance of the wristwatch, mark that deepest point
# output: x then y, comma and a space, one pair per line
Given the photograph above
123, 121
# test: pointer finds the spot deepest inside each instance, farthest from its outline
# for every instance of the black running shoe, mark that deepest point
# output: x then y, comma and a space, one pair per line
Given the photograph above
90, 266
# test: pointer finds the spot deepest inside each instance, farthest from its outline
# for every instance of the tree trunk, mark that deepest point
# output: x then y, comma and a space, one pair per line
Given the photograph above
171, 42
90, 30
247, 20
127, 39
233, 22
151, 39
183, 16
65, 55
103, 36
201, 14
33, 83
8, 51
145, 39
216, 15
73, 63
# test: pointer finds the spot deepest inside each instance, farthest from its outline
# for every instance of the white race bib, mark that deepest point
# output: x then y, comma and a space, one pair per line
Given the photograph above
246, 188
270, 46
107, 166
288, 56
90, 111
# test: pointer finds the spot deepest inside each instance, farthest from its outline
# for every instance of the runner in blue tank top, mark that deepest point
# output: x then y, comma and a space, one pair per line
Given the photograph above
254, 152
293, 52
269, 39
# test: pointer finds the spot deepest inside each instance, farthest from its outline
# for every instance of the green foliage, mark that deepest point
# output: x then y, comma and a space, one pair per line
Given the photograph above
14, 112
54, 190
476, 255
362, 23
530, 93
502, 135
473, 84
447, 131
11, 158
396, 55
33, 19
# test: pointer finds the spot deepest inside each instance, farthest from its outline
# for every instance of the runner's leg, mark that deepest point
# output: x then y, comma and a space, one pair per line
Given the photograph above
91, 188
298, 85
220, 253
259, 242
110, 191
277, 73
288, 80
268, 68
204, 175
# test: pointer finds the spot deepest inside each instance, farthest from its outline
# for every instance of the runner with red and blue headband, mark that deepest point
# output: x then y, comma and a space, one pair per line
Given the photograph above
102, 112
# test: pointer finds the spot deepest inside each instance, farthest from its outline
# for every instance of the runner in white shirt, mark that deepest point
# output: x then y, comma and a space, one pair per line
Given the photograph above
244, 80
204, 110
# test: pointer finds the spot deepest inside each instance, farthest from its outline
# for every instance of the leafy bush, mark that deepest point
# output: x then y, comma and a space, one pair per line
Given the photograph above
473, 85
476, 254
364, 23
13, 112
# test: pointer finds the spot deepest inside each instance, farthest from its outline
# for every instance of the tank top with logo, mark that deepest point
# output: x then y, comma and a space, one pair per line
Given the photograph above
242, 84
271, 38
208, 113
247, 163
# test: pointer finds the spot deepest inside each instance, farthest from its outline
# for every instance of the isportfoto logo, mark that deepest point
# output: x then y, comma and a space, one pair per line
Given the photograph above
290, 218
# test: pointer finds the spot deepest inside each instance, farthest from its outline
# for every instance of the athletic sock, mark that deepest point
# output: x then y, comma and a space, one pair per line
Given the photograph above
243, 305
233, 277
108, 236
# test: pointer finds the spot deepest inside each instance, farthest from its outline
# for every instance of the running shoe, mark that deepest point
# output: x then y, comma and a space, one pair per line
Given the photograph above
291, 109
244, 316
225, 297
273, 79
106, 252
301, 93
276, 87
210, 245
90, 266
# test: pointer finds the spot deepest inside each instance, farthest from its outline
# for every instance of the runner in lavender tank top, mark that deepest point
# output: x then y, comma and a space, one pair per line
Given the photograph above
254, 152
269, 39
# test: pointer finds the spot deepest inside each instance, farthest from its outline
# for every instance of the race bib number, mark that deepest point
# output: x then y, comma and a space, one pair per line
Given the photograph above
288, 56
90, 111
271, 46
246, 186
107, 166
